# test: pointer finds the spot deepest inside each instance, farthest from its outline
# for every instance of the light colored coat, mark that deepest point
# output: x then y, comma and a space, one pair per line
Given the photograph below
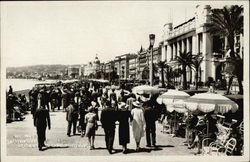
138, 123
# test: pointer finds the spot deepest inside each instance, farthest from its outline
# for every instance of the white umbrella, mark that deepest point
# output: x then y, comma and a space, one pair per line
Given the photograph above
174, 100
179, 106
145, 89
112, 87
171, 96
208, 102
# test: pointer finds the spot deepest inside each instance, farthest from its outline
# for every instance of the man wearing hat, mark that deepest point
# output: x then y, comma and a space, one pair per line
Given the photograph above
71, 117
108, 119
41, 118
150, 115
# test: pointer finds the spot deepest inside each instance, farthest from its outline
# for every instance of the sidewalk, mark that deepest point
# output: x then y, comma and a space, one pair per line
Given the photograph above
22, 141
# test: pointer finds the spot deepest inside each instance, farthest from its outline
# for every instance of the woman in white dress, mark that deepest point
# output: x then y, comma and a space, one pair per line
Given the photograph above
138, 123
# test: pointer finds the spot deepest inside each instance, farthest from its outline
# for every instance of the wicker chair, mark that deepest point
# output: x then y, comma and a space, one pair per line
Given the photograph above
222, 137
228, 148
166, 128
220, 149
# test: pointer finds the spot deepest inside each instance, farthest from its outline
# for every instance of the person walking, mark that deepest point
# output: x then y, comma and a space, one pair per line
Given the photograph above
91, 126
71, 117
123, 117
53, 99
108, 119
130, 101
41, 121
33, 101
113, 95
65, 99
150, 115
82, 112
138, 123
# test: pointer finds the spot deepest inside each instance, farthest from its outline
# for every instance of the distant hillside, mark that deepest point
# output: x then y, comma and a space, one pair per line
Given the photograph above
37, 68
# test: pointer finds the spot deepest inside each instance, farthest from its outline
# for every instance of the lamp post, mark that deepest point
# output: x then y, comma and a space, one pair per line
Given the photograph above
151, 41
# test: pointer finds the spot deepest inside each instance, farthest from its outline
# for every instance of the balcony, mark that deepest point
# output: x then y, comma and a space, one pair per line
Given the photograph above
182, 28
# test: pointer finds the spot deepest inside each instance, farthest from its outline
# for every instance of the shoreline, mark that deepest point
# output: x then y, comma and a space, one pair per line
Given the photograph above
25, 92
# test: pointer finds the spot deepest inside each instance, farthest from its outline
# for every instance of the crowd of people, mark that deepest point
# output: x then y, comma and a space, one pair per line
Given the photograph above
88, 103
16, 106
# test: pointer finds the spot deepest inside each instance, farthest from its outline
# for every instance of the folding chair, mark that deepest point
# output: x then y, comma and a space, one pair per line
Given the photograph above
228, 148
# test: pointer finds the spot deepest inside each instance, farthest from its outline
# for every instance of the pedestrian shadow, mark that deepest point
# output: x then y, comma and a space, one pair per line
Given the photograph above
54, 147
100, 135
164, 146
100, 148
129, 151
160, 147
116, 151
156, 149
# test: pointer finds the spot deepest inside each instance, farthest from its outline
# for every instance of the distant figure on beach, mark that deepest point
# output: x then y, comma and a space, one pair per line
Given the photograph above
10, 90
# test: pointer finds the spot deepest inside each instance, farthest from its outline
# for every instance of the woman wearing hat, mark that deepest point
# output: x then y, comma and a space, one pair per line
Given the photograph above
91, 126
138, 123
123, 117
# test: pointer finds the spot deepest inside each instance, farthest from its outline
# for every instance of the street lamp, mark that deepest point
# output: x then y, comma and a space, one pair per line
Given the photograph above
151, 41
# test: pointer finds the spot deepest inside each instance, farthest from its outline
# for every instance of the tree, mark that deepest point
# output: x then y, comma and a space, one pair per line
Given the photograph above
185, 60
113, 76
228, 22
145, 73
196, 63
162, 65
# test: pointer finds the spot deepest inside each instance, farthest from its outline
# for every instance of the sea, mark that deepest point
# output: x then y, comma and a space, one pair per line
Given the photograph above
24, 84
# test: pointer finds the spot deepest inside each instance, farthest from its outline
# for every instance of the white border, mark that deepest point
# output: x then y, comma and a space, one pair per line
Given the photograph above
141, 158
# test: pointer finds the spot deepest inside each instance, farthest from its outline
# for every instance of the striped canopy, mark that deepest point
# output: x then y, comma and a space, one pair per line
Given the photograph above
208, 102
174, 100
172, 95
145, 89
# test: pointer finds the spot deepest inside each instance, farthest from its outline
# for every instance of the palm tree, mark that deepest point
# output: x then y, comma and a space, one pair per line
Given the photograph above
162, 65
185, 60
196, 63
228, 22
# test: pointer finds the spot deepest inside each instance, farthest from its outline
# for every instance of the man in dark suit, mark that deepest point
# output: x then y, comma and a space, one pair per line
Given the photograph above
108, 119
113, 95
71, 117
41, 119
150, 115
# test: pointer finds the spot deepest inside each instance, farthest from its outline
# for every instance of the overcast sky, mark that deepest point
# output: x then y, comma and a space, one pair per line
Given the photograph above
74, 32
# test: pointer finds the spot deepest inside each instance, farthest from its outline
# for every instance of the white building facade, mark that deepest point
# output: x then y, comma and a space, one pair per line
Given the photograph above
193, 36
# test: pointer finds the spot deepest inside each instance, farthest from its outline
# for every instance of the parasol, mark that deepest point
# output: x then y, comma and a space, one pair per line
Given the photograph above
171, 96
146, 89
208, 102
174, 100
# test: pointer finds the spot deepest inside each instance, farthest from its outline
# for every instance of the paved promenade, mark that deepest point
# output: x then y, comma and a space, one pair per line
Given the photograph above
22, 141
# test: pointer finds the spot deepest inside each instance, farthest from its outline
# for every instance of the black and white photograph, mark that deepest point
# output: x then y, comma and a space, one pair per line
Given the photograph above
124, 81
